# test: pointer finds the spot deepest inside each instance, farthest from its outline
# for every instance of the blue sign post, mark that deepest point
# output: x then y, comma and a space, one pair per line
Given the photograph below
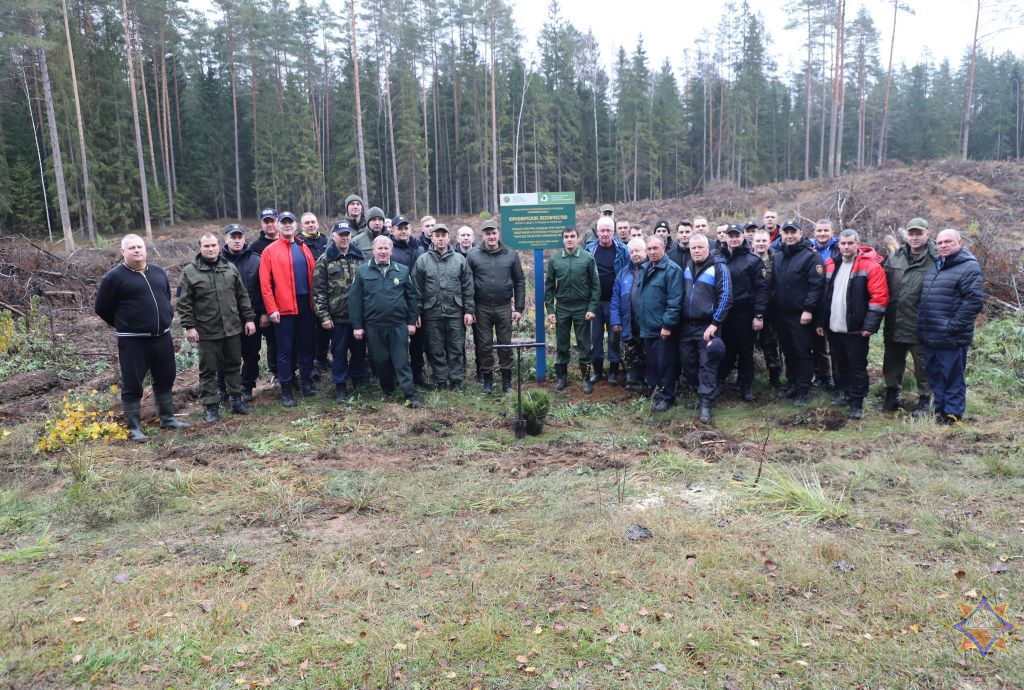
535, 221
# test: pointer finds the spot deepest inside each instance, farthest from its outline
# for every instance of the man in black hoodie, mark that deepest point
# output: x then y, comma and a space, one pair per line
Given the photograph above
746, 316
405, 250
798, 282
236, 251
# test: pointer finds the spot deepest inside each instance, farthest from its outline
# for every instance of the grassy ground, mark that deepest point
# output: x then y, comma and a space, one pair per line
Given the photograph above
369, 545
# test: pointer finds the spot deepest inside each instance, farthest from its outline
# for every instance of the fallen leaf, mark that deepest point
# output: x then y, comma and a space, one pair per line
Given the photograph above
997, 568
612, 639
291, 599
554, 685
868, 636
802, 662
844, 567
643, 612
78, 620
530, 669
295, 622
149, 668
401, 646
76, 658
418, 624
169, 614
206, 606
959, 574
661, 668
451, 674
538, 630
915, 628
971, 594
205, 660
754, 643
623, 628
122, 578
559, 627
522, 659
349, 641
770, 565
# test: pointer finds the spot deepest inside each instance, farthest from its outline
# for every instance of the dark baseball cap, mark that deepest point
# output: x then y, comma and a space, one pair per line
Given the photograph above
400, 220
607, 208
342, 228
268, 213
233, 229
441, 227
792, 223
752, 224
489, 225
734, 229
287, 215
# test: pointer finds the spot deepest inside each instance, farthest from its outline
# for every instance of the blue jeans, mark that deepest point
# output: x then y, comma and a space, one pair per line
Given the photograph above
601, 323
945, 369
296, 333
343, 345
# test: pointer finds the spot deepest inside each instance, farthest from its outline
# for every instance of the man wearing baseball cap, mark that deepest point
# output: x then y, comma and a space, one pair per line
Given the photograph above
332, 277
286, 281
268, 230
247, 262
406, 250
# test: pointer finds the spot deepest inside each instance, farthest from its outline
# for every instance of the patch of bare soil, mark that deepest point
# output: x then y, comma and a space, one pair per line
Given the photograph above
821, 419
526, 460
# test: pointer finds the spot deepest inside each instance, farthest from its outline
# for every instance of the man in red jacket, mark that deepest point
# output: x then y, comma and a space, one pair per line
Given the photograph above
856, 295
286, 282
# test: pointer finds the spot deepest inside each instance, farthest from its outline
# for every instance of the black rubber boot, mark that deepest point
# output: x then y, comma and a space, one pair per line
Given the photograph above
413, 402
308, 388
287, 399
588, 382
613, 374
165, 408
488, 382
562, 376
774, 377
213, 413
598, 374
237, 406
747, 394
923, 407
340, 393
856, 409
892, 400
829, 384
506, 381
247, 396
132, 419
705, 411
418, 379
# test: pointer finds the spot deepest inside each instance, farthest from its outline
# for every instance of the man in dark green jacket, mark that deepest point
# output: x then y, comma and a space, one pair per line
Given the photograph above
572, 290
332, 278
905, 271
499, 287
444, 286
382, 308
215, 310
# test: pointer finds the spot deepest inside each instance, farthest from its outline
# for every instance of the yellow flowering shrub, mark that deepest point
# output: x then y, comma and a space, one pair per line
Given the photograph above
80, 420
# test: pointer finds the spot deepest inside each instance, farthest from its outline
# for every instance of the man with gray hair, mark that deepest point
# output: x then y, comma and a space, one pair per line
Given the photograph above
951, 299
135, 298
658, 308
611, 257
623, 313
856, 296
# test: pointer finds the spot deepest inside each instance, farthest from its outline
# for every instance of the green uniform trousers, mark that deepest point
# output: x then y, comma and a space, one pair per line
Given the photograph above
493, 323
894, 363
389, 351
446, 348
567, 321
219, 354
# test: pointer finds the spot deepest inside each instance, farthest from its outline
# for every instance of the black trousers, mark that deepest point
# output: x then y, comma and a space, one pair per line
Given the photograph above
250, 362
296, 336
797, 343
850, 357
699, 365
417, 352
139, 356
738, 334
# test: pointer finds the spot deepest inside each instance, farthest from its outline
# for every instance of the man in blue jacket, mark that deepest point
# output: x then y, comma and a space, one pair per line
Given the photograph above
623, 314
611, 257
707, 296
659, 296
951, 299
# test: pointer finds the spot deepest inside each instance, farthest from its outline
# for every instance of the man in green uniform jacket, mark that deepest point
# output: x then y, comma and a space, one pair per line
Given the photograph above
382, 308
215, 309
572, 290
444, 286
905, 271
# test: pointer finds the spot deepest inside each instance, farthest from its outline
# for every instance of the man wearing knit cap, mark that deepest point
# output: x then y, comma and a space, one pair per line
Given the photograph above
374, 229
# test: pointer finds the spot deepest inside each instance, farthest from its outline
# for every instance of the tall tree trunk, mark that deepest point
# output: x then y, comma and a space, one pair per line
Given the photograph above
969, 102
90, 225
807, 96
426, 156
51, 118
359, 107
494, 127
862, 86
837, 80
167, 120
149, 127
135, 119
234, 122
391, 136
39, 152
888, 86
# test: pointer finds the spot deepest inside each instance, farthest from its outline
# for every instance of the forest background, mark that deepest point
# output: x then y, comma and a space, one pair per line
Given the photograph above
121, 115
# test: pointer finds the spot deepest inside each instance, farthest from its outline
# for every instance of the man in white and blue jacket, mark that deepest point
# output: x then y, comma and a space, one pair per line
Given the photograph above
623, 313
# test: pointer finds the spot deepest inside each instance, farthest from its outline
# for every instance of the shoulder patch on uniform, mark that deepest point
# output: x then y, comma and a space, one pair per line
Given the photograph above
819, 269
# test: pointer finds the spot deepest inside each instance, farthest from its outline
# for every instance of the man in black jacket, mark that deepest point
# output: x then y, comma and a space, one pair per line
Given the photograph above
500, 289
707, 295
405, 250
237, 252
268, 235
135, 298
951, 299
268, 230
798, 280
746, 316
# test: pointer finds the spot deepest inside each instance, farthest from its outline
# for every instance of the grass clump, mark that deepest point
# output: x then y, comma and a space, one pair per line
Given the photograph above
798, 495
97, 501
360, 492
996, 364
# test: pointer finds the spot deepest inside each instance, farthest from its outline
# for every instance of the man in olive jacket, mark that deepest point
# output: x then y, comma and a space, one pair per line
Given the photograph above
444, 286
572, 290
905, 270
382, 308
499, 288
215, 310
333, 275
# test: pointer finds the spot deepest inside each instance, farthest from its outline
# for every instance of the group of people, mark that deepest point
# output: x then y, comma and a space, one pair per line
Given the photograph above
690, 309
372, 301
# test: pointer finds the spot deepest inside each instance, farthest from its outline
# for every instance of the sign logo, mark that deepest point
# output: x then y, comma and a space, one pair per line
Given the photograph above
543, 198
984, 627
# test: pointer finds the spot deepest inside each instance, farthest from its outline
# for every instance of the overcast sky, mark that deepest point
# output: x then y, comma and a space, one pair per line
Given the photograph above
939, 28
